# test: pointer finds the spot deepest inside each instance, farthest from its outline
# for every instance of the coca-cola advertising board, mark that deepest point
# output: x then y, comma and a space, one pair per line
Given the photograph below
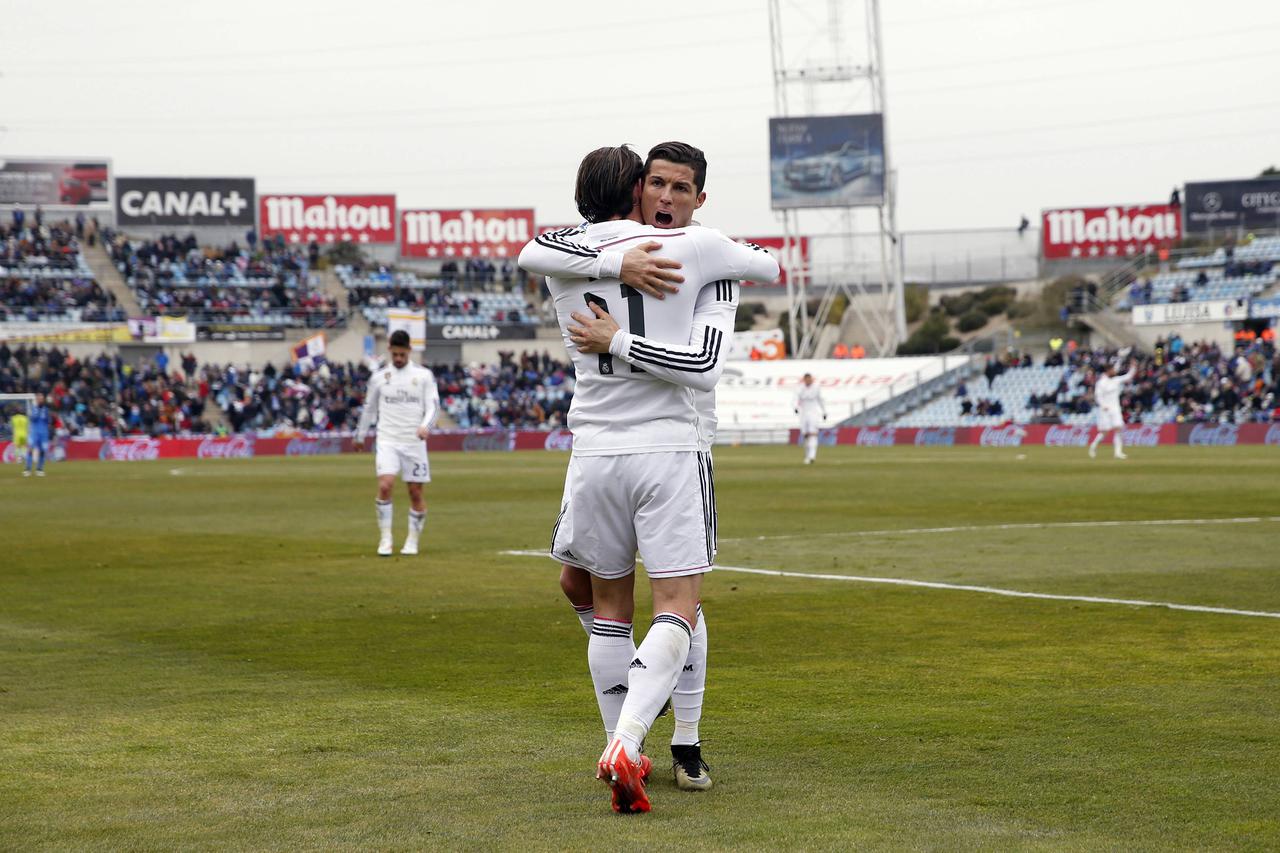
328, 218
465, 233
1099, 233
140, 448
794, 259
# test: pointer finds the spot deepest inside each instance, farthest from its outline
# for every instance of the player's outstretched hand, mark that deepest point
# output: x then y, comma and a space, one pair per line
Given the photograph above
593, 334
648, 273
358, 444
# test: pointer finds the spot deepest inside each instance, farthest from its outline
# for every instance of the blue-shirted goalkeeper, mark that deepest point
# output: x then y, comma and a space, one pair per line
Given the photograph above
38, 429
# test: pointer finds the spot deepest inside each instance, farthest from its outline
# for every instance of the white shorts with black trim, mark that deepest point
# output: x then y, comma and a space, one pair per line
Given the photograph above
407, 460
660, 504
1110, 419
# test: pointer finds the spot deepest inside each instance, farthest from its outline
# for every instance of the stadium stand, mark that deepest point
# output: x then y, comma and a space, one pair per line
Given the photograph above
1175, 383
532, 392
372, 291
44, 276
103, 395
227, 284
1233, 272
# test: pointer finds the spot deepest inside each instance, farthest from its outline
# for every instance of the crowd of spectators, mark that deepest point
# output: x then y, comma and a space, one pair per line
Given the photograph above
43, 275
1191, 383
178, 275
103, 395
292, 397
531, 391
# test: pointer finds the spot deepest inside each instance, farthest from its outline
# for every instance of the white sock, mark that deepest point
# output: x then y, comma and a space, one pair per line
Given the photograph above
416, 522
1118, 441
653, 675
609, 652
811, 447
686, 699
586, 615
384, 516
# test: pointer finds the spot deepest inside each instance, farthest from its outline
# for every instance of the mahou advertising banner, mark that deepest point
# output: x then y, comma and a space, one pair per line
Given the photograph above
1098, 233
795, 259
465, 233
328, 218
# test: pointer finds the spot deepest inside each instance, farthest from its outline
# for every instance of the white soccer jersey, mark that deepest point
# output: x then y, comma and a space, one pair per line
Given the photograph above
399, 402
1107, 390
809, 402
639, 398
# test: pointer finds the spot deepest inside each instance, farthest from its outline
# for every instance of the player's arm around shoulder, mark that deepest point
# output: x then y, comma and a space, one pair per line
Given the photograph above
734, 260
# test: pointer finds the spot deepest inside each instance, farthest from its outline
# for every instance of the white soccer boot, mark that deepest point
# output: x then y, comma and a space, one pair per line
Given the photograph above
384, 545
410, 548
1121, 456
39, 473
26, 473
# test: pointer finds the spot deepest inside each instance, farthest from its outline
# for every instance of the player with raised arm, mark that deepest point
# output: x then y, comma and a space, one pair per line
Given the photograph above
810, 407
637, 480
402, 399
1106, 393
39, 424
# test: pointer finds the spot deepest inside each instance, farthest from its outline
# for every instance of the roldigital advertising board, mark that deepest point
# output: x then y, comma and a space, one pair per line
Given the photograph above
826, 161
56, 182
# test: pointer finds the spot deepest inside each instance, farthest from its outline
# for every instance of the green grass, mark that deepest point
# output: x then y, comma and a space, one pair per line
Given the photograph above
207, 655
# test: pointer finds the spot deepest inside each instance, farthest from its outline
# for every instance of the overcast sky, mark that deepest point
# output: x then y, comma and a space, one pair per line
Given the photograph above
995, 108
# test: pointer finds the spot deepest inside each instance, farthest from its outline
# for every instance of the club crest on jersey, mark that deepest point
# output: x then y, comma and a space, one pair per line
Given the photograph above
387, 376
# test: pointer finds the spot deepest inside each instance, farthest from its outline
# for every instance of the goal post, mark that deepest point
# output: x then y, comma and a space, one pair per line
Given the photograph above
10, 405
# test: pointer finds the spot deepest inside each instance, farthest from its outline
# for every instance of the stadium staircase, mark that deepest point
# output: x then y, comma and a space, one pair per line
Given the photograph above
1098, 311
106, 274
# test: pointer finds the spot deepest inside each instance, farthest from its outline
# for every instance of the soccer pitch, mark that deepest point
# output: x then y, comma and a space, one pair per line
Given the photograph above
208, 654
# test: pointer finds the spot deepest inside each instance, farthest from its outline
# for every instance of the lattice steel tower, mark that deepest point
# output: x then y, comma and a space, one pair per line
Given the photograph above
817, 70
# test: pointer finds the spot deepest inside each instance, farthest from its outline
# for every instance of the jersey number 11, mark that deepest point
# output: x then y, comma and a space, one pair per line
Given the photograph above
635, 321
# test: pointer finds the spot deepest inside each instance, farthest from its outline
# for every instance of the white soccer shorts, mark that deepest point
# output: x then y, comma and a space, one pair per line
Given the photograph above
407, 460
660, 504
810, 424
1110, 419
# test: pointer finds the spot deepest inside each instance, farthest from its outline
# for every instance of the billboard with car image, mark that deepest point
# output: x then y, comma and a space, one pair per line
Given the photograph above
826, 161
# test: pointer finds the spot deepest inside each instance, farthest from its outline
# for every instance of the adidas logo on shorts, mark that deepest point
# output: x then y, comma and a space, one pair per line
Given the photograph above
615, 690
637, 664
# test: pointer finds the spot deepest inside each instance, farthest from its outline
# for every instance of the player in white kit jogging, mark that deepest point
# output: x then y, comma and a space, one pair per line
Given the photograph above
637, 480
810, 407
403, 401
1106, 393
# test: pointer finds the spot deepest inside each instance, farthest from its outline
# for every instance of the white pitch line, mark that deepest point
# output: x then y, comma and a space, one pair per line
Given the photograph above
988, 590
1037, 525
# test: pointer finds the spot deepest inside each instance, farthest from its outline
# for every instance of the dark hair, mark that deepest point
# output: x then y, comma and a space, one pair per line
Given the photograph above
685, 155
607, 183
399, 338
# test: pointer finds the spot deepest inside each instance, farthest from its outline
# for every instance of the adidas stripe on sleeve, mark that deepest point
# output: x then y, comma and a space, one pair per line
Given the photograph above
558, 253
699, 364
